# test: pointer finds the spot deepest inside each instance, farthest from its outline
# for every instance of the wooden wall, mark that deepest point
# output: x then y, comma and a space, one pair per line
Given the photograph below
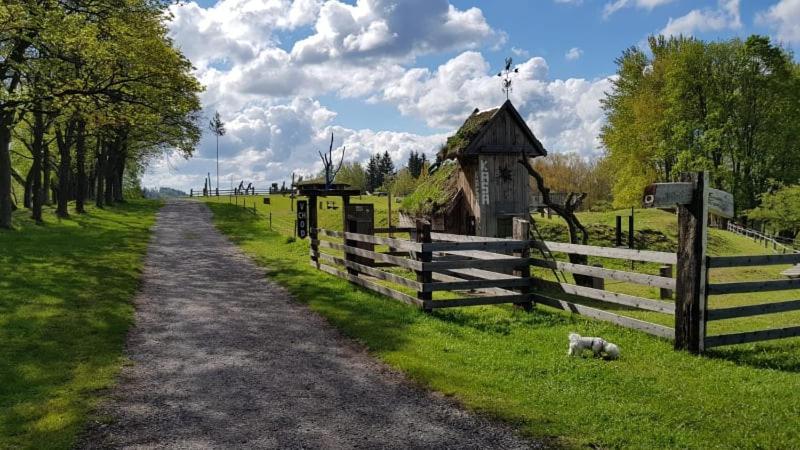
504, 135
491, 195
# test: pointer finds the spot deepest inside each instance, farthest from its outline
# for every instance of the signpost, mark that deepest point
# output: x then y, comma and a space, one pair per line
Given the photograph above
302, 219
694, 201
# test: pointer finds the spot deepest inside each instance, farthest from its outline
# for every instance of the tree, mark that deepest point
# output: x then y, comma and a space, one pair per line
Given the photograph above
218, 129
570, 172
730, 107
353, 174
780, 210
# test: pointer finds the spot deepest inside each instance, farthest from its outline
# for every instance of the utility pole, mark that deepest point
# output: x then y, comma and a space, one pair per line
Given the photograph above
218, 128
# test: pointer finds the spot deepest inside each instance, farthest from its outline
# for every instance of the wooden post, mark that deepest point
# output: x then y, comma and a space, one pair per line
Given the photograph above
424, 276
389, 197
191, 192
619, 232
312, 228
630, 230
521, 232
598, 282
665, 271
690, 304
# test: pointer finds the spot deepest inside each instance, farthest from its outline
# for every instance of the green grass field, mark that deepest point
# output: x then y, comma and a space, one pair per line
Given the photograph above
512, 365
65, 308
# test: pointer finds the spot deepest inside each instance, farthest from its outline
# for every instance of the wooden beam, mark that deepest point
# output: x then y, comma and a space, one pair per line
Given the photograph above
692, 277
752, 310
755, 260
475, 263
613, 297
370, 239
474, 301
627, 322
619, 275
752, 336
507, 246
402, 262
608, 252
372, 286
753, 286
474, 284
386, 276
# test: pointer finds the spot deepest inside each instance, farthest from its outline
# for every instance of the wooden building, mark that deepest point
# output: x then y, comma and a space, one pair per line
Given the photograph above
488, 187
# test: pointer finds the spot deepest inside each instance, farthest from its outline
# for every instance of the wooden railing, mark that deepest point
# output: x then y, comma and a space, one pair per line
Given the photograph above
487, 271
752, 310
582, 293
777, 245
437, 266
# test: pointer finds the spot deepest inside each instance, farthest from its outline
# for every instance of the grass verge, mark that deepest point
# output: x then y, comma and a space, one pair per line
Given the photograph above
512, 365
65, 307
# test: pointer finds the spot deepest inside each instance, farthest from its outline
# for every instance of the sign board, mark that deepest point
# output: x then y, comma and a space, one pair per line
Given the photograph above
302, 219
266, 200
720, 203
668, 195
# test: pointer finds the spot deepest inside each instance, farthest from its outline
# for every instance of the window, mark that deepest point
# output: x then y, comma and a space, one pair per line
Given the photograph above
505, 227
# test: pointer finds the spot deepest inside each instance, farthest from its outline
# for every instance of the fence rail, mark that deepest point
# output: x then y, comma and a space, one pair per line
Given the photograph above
736, 312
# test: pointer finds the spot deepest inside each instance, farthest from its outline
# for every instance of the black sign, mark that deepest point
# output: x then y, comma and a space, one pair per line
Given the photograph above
266, 200
302, 219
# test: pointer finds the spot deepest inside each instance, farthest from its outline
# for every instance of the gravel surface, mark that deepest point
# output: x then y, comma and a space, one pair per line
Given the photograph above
224, 358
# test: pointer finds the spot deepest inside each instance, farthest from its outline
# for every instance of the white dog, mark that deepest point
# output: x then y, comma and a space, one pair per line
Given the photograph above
577, 344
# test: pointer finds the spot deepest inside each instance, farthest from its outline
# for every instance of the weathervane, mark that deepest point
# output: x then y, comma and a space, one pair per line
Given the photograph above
506, 75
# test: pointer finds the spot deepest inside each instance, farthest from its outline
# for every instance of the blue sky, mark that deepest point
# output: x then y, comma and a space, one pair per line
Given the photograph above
399, 75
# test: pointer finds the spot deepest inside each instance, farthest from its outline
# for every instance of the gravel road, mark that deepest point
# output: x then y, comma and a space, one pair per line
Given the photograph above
224, 358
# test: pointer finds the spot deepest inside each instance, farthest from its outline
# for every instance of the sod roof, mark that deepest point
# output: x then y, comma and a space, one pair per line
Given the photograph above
435, 194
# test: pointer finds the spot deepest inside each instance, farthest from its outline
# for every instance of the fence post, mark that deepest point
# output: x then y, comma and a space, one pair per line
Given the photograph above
630, 230
690, 303
665, 271
191, 192
521, 232
312, 228
424, 276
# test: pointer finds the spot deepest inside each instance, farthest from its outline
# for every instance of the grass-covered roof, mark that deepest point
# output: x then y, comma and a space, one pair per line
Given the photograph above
433, 194
471, 128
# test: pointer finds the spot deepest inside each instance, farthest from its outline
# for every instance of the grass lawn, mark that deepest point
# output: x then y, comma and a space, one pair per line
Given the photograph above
512, 365
65, 308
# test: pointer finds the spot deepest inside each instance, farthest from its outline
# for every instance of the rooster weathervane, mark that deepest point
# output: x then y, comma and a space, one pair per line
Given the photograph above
505, 74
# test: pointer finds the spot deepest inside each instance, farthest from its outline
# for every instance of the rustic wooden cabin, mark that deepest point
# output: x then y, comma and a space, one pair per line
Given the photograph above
482, 187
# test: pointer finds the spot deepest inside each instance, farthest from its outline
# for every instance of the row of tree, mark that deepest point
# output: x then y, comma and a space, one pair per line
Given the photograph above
89, 91
731, 107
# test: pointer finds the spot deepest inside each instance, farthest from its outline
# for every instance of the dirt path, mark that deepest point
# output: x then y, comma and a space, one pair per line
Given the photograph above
223, 358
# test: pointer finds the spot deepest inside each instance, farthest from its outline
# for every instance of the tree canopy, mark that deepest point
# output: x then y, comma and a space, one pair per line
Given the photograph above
729, 107
101, 80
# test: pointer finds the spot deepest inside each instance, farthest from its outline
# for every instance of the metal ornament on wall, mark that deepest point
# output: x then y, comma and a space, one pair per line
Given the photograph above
505, 174
505, 74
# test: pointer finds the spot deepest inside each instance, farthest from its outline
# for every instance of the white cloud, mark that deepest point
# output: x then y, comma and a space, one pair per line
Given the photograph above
784, 17
612, 7
381, 29
267, 91
522, 53
565, 114
725, 17
573, 54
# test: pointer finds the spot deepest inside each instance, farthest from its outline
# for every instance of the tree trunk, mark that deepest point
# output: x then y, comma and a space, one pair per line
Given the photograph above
577, 232
64, 140
80, 161
46, 199
5, 169
37, 151
99, 194
27, 196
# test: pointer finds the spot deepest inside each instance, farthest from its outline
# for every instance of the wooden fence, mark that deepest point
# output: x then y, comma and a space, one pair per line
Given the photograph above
581, 294
752, 310
431, 264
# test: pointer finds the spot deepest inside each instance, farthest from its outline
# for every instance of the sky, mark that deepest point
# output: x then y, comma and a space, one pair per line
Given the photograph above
402, 75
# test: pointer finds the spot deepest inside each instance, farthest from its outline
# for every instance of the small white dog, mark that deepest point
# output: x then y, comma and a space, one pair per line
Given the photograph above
577, 344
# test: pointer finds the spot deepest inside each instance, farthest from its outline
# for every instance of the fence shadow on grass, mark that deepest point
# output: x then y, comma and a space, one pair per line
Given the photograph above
783, 355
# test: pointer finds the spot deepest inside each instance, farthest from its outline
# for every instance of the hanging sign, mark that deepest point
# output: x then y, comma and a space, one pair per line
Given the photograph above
302, 219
